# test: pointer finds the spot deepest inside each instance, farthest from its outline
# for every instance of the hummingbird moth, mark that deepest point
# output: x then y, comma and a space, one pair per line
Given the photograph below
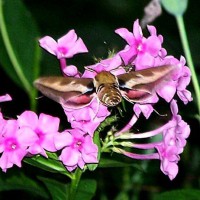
134, 86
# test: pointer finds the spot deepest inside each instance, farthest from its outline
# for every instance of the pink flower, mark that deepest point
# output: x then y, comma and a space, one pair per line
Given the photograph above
87, 118
146, 109
174, 140
181, 129
180, 78
169, 158
140, 51
148, 52
44, 127
77, 147
14, 144
183, 82
66, 47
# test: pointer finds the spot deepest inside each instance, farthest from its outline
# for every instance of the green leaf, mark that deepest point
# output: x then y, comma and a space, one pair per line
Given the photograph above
19, 51
106, 162
21, 182
50, 165
190, 194
86, 189
175, 7
58, 190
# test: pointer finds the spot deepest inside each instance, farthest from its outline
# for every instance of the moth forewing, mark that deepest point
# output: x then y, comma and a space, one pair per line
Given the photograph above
68, 91
146, 76
138, 86
65, 84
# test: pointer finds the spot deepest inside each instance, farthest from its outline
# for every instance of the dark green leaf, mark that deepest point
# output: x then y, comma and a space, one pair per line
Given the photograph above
58, 190
175, 7
105, 162
86, 189
49, 164
189, 194
21, 182
22, 33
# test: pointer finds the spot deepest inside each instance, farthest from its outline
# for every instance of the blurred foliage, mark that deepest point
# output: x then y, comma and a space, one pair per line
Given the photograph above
95, 22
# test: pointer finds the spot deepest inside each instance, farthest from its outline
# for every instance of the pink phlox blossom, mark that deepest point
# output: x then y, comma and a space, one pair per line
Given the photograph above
5, 97
87, 118
181, 129
140, 51
174, 140
183, 82
169, 159
44, 127
178, 80
14, 144
66, 46
77, 147
146, 109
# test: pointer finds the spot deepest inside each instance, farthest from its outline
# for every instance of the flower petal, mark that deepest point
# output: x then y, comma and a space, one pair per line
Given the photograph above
49, 44
48, 123
62, 139
69, 156
5, 97
28, 118
125, 34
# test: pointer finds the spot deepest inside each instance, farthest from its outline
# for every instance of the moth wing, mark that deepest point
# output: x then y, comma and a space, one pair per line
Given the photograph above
138, 86
70, 92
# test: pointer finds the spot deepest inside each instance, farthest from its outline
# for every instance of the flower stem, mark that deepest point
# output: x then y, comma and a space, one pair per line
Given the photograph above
63, 65
74, 183
186, 48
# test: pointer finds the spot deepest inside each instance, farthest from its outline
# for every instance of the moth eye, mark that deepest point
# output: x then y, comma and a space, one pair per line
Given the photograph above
121, 83
90, 86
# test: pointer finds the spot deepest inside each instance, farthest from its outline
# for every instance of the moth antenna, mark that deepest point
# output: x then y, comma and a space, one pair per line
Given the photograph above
120, 67
127, 68
162, 115
91, 70
39, 97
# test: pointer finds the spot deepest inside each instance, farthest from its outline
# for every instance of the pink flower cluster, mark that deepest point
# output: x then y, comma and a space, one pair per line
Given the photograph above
139, 53
145, 53
173, 134
33, 135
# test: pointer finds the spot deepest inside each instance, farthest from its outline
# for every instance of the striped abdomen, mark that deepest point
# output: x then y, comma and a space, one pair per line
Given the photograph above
109, 94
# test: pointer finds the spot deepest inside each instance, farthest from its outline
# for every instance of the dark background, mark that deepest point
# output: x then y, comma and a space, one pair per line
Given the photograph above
95, 22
